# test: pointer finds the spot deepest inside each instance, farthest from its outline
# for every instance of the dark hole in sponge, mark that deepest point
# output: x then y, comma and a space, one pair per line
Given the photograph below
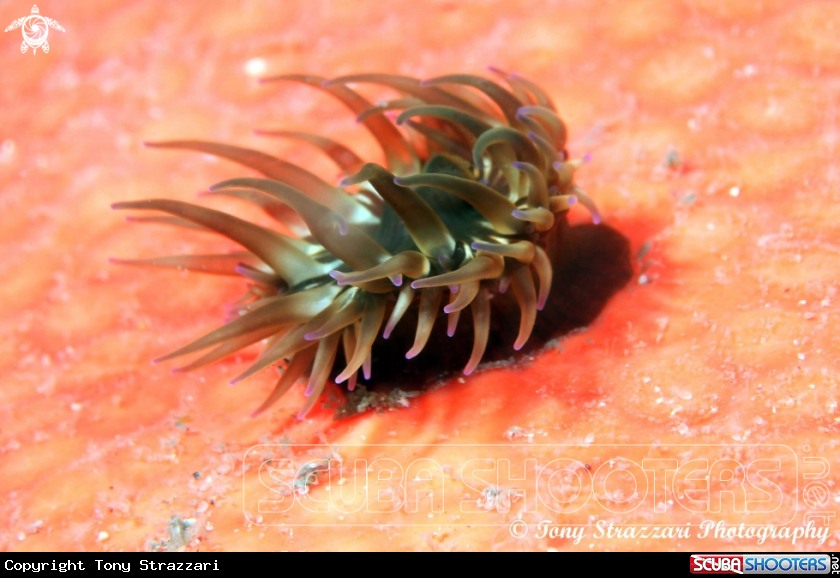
591, 264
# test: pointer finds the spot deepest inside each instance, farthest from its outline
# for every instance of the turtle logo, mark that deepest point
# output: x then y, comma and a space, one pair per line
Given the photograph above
35, 31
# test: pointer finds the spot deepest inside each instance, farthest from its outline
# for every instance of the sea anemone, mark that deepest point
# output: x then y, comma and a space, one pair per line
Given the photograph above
470, 200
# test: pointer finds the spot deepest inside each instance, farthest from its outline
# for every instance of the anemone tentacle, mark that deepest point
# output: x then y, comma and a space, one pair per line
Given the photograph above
467, 206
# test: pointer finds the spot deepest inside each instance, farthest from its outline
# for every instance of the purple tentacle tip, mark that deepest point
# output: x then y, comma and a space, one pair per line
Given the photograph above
338, 276
341, 224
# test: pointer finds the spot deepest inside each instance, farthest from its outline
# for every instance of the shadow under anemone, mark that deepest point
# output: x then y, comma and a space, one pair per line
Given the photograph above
591, 264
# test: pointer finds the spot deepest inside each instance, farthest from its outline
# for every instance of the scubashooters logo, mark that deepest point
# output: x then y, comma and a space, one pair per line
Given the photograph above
35, 29
764, 564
